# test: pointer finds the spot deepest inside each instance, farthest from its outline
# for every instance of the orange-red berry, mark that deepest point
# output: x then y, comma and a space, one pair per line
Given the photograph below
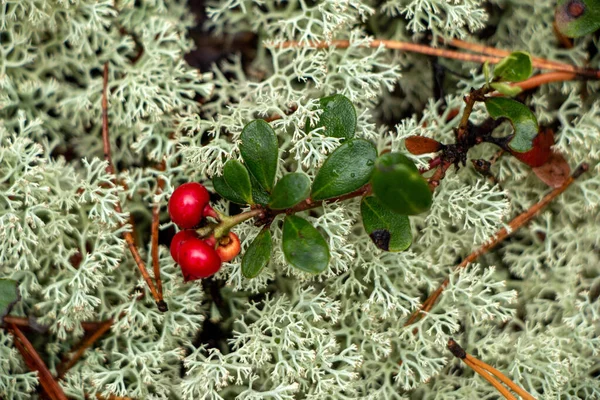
230, 249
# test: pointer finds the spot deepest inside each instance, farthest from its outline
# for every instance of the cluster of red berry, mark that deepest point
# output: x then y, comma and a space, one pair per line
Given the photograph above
198, 257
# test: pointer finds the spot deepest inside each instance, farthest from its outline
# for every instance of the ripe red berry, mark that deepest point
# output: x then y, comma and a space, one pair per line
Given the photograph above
198, 260
178, 240
229, 248
186, 205
541, 151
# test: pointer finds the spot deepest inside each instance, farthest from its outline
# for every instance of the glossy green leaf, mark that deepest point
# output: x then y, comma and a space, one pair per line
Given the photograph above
259, 195
9, 295
522, 119
397, 183
388, 230
575, 18
238, 179
303, 245
515, 67
258, 254
345, 170
506, 89
290, 190
338, 117
226, 191
259, 150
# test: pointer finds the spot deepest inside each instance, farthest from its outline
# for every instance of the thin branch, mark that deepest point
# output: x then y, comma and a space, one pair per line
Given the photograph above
111, 170
542, 79
160, 183
503, 391
492, 51
67, 363
35, 363
500, 236
444, 53
503, 378
488, 372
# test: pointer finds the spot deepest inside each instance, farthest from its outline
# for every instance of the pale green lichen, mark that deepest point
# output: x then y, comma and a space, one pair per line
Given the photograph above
530, 308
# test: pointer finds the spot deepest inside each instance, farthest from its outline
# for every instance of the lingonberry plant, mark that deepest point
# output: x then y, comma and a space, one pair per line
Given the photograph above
354, 190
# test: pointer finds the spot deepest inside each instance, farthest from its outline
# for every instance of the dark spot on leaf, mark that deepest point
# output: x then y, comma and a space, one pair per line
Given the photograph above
381, 238
576, 8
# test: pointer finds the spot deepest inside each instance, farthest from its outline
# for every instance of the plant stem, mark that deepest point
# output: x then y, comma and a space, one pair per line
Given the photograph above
86, 342
445, 53
35, 363
160, 183
111, 170
487, 372
229, 222
498, 238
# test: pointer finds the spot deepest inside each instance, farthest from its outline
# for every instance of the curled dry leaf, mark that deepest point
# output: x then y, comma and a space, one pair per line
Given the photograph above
541, 151
422, 145
554, 172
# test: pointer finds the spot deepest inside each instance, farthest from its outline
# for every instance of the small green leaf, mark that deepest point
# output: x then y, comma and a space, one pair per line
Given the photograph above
522, 119
486, 71
9, 295
338, 117
515, 67
238, 179
303, 245
576, 18
258, 254
388, 230
290, 190
259, 150
345, 170
506, 89
224, 190
399, 186
259, 195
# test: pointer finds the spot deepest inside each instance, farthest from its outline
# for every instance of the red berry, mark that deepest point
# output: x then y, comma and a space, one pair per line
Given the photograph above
198, 260
178, 240
211, 241
230, 249
540, 153
186, 205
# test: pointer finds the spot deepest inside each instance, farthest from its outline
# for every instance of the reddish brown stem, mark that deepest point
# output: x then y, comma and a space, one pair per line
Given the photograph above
111, 170
67, 363
492, 51
160, 183
542, 79
498, 238
445, 53
35, 363
488, 372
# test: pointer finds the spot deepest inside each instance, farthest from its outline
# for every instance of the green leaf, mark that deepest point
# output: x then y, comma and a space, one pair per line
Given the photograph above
290, 190
522, 119
258, 254
238, 179
388, 230
259, 195
486, 71
506, 89
345, 170
397, 183
259, 150
9, 295
338, 117
516, 67
576, 18
303, 245
224, 190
